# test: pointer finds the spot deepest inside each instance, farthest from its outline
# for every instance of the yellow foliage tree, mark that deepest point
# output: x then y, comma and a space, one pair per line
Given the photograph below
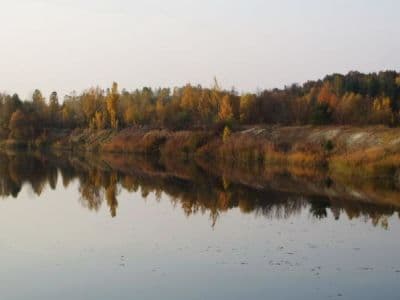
351, 109
188, 98
160, 111
112, 105
129, 115
226, 110
247, 107
205, 107
99, 120
382, 111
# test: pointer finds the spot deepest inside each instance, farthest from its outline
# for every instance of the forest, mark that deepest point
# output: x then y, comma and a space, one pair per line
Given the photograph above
353, 99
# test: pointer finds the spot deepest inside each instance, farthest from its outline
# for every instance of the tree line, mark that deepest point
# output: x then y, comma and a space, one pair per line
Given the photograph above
352, 99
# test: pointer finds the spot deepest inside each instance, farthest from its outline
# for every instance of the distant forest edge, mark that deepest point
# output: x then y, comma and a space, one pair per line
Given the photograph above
352, 99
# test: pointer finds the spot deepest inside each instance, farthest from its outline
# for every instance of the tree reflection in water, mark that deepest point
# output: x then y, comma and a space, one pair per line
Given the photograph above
200, 188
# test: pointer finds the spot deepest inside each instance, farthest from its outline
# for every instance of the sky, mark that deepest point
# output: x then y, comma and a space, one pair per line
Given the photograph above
71, 45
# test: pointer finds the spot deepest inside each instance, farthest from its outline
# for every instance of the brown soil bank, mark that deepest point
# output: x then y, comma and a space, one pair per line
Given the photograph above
365, 151
369, 151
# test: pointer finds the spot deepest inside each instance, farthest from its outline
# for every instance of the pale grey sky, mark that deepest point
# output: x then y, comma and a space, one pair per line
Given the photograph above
72, 45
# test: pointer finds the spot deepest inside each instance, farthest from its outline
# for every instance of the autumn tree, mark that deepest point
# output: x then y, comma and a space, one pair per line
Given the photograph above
326, 95
54, 107
37, 98
161, 104
248, 108
112, 105
99, 121
21, 126
130, 115
352, 109
91, 102
188, 100
8, 105
382, 112
206, 107
226, 109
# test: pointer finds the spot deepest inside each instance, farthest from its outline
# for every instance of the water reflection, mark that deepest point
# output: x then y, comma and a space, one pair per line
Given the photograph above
200, 187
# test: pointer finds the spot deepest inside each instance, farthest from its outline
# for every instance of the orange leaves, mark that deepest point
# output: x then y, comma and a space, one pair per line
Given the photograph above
226, 109
326, 95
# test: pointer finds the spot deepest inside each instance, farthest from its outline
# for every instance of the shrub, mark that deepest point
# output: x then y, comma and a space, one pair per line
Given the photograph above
185, 143
328, 146
226, 134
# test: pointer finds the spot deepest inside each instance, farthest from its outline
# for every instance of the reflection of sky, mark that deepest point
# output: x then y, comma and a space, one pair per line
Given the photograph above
52, 248
73, 44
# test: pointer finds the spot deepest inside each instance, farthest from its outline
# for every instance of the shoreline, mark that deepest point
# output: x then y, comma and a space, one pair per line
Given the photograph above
372, 151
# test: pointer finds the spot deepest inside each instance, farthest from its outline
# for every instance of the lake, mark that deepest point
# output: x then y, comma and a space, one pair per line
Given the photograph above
122, 227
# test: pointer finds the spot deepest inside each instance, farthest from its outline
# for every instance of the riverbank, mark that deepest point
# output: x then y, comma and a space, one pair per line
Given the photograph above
362, 151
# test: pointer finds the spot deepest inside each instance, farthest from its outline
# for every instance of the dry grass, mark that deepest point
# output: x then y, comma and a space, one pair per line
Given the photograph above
138, 142
185, 143
242, 150
249, 150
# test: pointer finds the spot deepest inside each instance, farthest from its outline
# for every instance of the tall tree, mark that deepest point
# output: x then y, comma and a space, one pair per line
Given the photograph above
112, 105
54, 107
247, 108
38, 98
226, 110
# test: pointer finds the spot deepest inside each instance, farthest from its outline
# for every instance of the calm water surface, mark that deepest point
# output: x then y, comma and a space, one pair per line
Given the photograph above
72, 228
